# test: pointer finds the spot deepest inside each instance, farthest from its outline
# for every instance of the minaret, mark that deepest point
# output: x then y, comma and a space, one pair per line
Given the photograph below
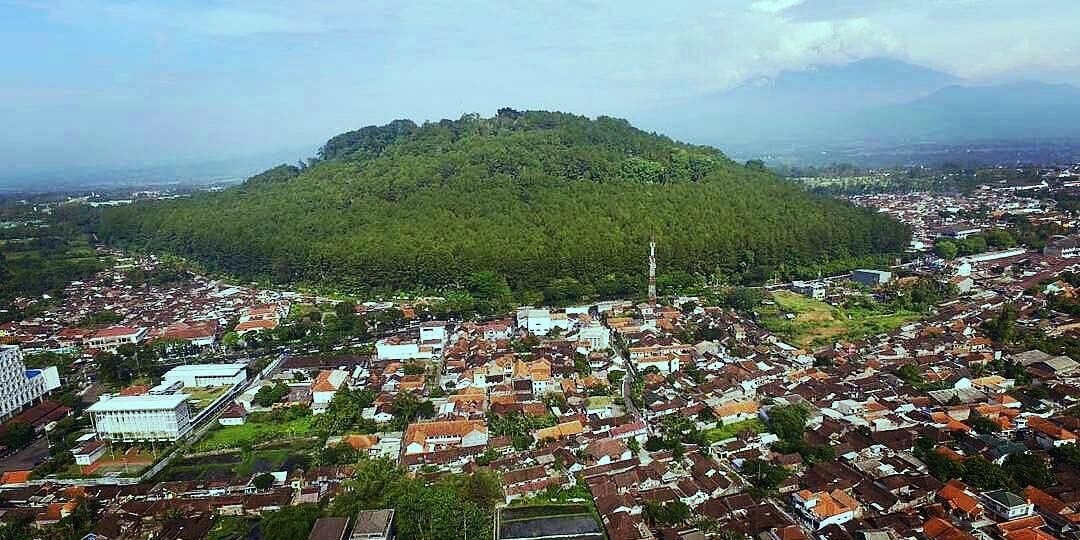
652, 274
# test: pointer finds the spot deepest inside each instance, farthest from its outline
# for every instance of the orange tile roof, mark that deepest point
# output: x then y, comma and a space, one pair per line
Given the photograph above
939, 529
955, 493
559, 431
15, 477
360, 442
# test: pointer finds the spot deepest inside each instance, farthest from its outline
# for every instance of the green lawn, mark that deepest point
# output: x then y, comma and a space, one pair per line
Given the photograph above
201, 398
253, 431
818, 323
728, 431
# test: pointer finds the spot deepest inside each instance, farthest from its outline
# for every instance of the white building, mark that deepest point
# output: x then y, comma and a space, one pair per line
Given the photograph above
203, 375
141, 418
111, 338
812, 289
395, 348
596, 335
541, 321
433, 331
20, 387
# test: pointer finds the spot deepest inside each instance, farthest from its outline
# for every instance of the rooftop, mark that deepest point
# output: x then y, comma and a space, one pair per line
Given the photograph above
138, 403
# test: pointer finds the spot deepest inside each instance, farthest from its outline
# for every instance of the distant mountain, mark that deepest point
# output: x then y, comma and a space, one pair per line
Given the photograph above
547, 203
877, 101
1021, 110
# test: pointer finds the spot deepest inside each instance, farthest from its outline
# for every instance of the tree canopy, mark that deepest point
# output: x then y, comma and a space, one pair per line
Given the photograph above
525, 201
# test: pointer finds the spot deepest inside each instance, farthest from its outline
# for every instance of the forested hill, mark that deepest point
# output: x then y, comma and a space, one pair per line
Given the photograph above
534, 197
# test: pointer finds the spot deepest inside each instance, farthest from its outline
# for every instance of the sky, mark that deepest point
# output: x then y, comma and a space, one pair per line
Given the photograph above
101, 83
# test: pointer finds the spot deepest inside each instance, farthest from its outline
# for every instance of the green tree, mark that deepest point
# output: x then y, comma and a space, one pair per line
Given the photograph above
289, 523
788, 421
263, 481
946, 249
18, 435
1028, 469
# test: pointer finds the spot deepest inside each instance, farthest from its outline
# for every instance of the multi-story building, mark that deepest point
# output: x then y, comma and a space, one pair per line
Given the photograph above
141, 418
111, 338
19, 386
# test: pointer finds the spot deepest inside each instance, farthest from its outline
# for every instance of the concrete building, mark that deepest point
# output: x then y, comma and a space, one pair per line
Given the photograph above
111, 338
203, 375
812, 289
433, 331
871, 278
596, 335
20, 387
141, 418
397, 348
1064, 248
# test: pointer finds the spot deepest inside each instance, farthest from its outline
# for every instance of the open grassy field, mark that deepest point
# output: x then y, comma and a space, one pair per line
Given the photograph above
254, 430
817, 323
730, 430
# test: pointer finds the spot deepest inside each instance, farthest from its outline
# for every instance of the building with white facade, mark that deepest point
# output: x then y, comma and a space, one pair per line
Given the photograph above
111, 338
596, 335
396, 348
203, 375
141, 418
20, 387
541, 321
433, 331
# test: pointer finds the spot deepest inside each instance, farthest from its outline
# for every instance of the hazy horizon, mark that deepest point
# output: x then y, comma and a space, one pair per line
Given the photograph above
113, 85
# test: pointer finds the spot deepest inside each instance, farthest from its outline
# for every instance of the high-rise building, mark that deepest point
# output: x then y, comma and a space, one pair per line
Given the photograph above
20, 387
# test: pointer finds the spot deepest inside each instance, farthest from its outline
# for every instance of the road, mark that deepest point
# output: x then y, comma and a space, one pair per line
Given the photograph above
27, 458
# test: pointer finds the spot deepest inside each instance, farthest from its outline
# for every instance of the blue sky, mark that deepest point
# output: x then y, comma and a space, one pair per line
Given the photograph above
102, 83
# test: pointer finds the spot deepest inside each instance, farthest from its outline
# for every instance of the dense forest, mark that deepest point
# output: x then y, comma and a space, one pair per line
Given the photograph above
534, 198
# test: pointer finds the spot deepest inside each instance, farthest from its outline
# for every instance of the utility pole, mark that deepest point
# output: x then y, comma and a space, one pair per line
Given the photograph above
652, 274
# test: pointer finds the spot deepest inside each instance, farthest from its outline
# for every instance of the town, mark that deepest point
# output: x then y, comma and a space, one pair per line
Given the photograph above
936, 398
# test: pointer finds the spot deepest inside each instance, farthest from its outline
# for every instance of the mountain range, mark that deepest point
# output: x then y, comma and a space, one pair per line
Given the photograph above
869, 102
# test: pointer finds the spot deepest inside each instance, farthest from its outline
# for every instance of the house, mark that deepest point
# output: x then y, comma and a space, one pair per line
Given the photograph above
1049, 434
197, 333
1007, 505
822, 509
89, 452
736, 411
427, 437
234, 415
959, 499
373, 525
326, 384
329, 528
559, 431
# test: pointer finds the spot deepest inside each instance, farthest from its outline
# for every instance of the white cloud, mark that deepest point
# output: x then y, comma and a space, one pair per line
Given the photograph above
774, 6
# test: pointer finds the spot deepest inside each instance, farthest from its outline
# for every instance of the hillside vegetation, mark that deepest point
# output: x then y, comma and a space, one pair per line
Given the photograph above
543, 200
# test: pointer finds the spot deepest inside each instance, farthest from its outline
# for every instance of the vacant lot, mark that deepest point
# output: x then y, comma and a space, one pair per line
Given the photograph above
813, 322
726, 432
258, 428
